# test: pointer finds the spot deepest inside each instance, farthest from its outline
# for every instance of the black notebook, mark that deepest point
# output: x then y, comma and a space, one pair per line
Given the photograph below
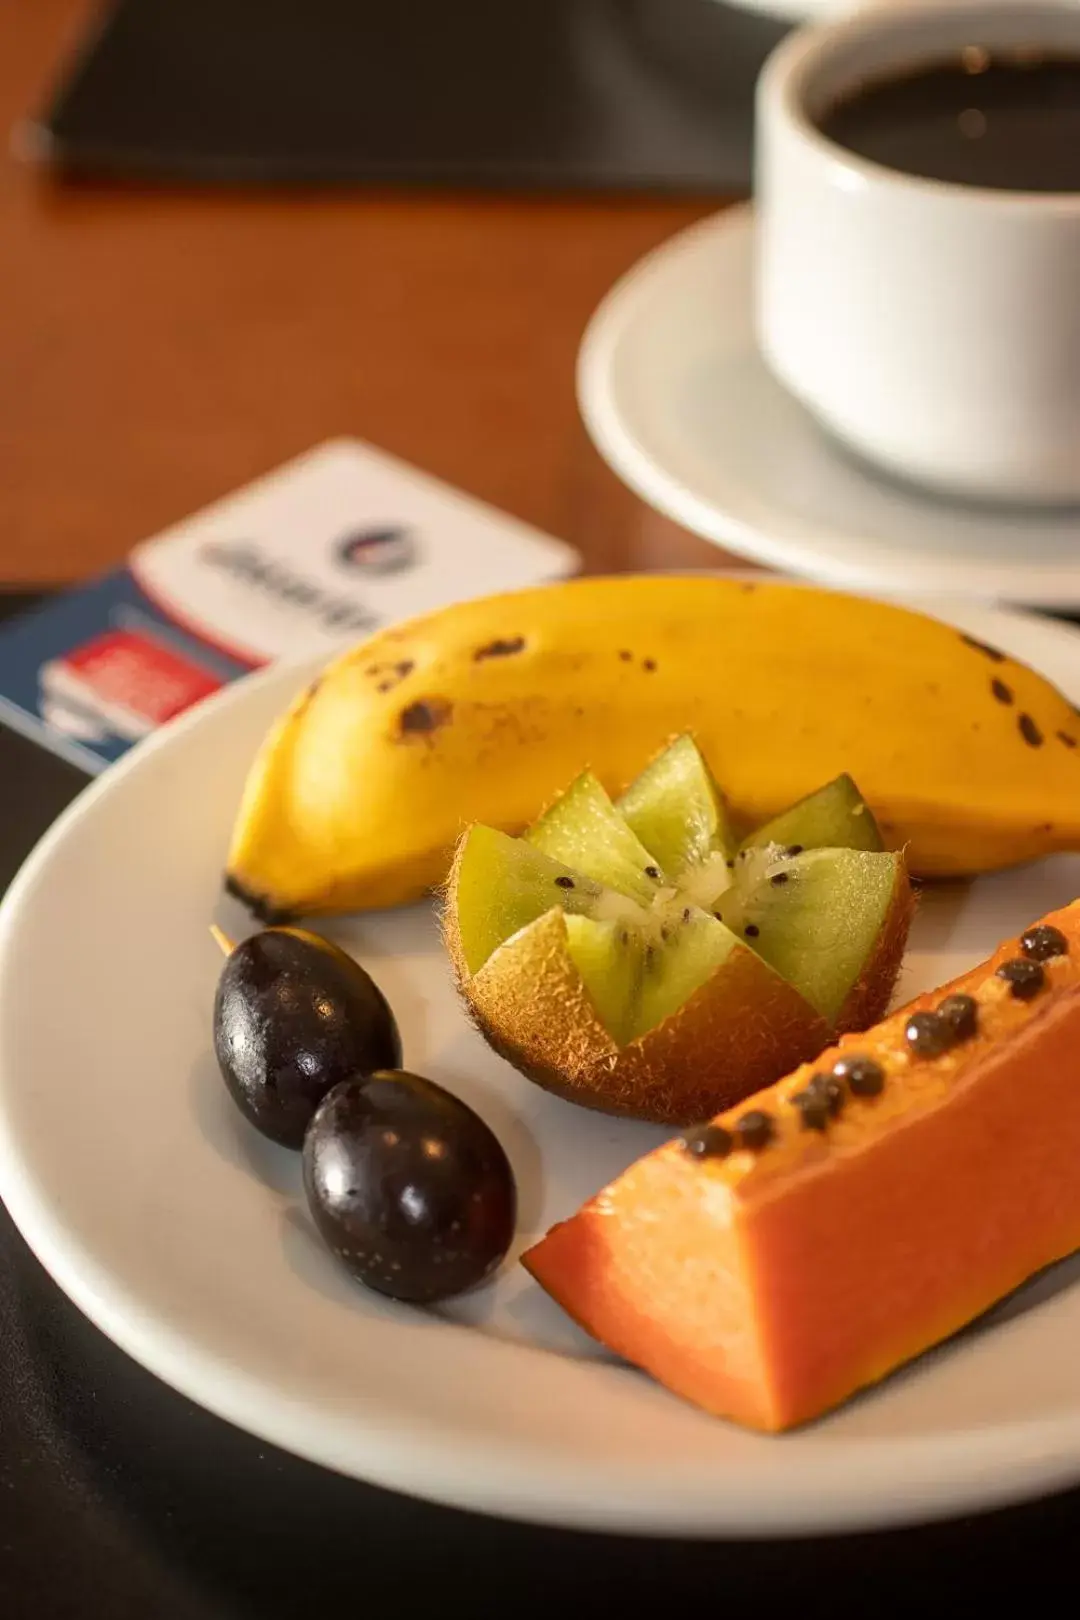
554, 95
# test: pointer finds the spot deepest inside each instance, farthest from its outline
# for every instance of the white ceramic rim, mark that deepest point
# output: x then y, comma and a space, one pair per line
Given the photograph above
789, 71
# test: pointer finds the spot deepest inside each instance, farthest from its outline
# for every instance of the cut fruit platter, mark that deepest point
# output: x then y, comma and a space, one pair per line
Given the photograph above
675, 970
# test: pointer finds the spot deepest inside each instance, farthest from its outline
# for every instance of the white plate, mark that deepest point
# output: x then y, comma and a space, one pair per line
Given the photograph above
182, 1234
679, 402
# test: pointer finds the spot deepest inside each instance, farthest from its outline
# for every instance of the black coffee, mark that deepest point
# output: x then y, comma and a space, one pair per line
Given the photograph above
1008, 121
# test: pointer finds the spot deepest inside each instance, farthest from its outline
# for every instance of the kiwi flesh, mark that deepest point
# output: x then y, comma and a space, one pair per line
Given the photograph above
502, 884
697, 946
584, 829
677, 811
656, 903
814, 917
836, 816
608, 958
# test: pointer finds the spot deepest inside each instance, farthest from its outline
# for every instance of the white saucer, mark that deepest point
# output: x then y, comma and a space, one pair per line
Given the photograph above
679, 402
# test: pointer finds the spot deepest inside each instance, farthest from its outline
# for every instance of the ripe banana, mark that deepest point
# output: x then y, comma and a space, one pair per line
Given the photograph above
485, 710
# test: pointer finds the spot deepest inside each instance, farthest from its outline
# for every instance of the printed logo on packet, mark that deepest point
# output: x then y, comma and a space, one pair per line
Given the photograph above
378, 551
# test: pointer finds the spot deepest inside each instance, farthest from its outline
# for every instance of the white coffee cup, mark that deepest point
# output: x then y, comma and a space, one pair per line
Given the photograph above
933, 328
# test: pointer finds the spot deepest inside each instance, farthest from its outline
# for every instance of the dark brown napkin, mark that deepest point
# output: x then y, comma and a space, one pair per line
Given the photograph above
556, 95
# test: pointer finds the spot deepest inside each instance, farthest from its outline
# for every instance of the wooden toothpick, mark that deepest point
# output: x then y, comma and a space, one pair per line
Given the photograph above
226, 944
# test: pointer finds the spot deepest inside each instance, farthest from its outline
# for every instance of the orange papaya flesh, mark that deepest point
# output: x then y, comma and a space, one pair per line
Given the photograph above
769, 1286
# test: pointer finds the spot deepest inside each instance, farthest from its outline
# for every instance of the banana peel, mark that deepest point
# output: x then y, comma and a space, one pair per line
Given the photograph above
483, 711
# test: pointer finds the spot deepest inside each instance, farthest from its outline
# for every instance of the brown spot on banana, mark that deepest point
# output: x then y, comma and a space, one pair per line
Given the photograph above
423, 717
391, 674
260, 906
981, 646
308, 695
501, 647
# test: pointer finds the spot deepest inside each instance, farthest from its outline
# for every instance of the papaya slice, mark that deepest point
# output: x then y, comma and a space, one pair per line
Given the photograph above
836, 1224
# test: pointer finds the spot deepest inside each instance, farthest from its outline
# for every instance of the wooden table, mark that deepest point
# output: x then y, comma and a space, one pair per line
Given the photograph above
159, 347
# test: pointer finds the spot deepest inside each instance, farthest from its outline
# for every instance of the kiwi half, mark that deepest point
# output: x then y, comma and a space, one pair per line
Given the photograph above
630, 956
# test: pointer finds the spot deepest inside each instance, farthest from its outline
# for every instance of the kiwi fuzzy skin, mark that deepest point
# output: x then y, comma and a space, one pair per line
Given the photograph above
741, 1029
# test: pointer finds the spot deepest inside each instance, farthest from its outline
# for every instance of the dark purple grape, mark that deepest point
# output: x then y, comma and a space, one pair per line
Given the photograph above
293, 1016
410, 1188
